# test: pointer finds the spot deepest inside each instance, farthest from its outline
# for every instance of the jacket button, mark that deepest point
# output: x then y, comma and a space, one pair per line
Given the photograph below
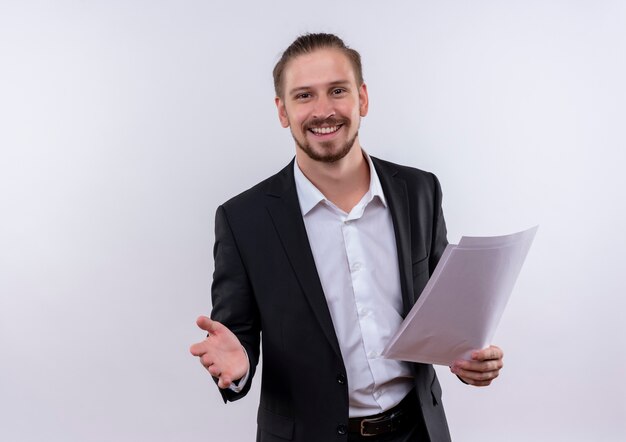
342, 429
341, 379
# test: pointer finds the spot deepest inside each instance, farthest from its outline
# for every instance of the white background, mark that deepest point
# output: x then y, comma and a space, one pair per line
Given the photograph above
123, 124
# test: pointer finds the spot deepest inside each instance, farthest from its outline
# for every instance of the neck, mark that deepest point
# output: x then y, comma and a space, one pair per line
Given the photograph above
343, 182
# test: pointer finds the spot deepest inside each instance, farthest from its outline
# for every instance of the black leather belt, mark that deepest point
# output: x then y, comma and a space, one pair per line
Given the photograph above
400, 417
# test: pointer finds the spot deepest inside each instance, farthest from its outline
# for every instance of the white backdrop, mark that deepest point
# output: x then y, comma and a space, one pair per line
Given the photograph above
123, 124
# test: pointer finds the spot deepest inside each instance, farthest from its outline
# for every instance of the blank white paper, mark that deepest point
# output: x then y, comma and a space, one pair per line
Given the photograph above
462, 303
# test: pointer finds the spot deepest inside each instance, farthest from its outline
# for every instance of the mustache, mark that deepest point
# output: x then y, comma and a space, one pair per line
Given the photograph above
330, 121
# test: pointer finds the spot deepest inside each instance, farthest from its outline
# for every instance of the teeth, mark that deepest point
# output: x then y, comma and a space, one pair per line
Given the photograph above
324, 130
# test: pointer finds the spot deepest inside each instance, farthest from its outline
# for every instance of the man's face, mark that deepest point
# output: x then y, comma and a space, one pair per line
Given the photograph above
322, 104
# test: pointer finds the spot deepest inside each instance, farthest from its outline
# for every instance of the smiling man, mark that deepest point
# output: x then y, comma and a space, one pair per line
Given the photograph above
324, 259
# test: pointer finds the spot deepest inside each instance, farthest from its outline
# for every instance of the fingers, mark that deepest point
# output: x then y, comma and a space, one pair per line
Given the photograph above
224, 379
489, 353
197, 349
476, 378
224, 382
208, 324
213, 367
215, 372
484, 367
490, 365
207, 360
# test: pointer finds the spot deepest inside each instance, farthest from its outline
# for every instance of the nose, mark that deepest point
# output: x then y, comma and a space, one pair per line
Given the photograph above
323, 108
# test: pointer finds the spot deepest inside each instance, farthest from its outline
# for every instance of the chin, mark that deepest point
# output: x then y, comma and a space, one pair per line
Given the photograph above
325, 155
326, 151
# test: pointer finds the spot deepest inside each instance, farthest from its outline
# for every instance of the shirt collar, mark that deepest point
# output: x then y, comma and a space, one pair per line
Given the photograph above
310, 196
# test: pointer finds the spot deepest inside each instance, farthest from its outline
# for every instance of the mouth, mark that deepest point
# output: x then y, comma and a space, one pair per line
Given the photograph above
325, 130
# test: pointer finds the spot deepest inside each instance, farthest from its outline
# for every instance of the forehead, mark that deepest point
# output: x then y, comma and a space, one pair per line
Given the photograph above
320, 67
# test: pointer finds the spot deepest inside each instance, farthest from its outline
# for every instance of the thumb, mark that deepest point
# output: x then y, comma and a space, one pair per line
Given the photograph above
208, 324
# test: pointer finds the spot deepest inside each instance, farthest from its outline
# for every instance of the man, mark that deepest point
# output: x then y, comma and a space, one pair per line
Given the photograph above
325, 259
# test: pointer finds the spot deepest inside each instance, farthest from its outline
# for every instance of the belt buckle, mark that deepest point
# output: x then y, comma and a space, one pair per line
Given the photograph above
376, 420
367, 421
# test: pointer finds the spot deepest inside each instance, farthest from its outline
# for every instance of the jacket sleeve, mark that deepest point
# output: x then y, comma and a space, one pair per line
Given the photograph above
234, 304
439, 234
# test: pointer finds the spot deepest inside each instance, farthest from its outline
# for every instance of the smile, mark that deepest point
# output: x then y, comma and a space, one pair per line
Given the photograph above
325, 130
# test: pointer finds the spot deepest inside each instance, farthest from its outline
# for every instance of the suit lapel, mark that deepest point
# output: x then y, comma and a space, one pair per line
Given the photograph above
395, 191
284, 209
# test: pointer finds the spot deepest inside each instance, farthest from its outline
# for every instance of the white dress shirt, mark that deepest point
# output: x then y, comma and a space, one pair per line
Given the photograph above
357, 263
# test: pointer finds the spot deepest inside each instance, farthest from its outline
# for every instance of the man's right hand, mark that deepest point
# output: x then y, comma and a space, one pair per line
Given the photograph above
221, 352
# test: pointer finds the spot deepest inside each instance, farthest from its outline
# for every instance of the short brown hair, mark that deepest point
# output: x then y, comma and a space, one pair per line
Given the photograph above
307, 43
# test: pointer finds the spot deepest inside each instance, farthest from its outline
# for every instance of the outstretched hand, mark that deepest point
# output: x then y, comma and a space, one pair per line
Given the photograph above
220, 353
483, 368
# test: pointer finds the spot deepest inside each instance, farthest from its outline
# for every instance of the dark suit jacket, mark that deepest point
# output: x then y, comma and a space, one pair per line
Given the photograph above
265, 281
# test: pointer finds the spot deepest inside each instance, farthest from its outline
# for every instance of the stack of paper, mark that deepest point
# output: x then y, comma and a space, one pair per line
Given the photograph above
463, 301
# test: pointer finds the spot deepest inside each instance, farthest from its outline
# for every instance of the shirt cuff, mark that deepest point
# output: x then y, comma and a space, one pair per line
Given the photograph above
237, 386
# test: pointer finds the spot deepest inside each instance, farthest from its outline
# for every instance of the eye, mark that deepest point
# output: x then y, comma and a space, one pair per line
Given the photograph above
303, 96
338, 91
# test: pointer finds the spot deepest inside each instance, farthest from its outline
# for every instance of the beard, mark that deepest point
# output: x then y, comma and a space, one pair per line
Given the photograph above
328, 153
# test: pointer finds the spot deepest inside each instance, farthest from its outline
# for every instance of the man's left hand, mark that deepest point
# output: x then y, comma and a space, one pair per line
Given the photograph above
483, 368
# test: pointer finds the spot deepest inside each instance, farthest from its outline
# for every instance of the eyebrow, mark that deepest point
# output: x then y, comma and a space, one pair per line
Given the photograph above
331, 84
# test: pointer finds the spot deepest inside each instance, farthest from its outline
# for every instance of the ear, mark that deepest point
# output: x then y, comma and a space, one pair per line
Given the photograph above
363, 100
282, 112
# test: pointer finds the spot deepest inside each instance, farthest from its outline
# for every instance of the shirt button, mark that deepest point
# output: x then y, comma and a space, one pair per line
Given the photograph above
341, 379
342, 429
356, 266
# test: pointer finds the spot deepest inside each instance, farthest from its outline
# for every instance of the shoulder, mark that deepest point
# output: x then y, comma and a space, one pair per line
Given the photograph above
414, 177
256, 196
